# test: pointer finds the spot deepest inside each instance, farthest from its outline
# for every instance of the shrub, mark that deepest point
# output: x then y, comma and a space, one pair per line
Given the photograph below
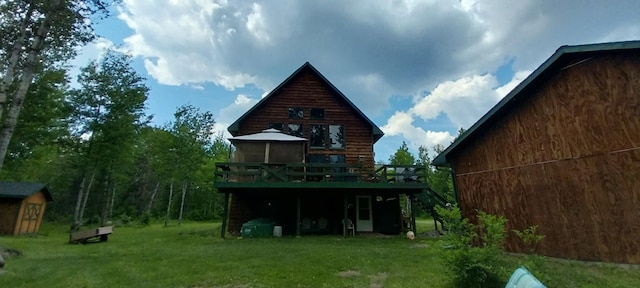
530, 237
145, 219
468, 265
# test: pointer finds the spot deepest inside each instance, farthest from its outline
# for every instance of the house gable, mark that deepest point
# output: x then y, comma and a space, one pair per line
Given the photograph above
321, 84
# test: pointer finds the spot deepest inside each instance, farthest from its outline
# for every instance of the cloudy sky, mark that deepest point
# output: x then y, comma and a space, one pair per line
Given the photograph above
419, 69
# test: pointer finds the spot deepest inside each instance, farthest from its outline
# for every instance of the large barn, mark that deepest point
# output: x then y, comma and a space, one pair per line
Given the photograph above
562, 151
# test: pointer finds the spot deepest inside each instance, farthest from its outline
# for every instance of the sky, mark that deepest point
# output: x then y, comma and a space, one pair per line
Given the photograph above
420, 70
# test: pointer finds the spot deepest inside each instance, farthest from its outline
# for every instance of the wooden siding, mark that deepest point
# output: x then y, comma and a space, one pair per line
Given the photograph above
568, 159
9, 209
29, 221
309, 91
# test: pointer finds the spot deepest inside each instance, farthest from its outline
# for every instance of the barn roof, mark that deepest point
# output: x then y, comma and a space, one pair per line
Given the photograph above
377, 133
269, 135
565, 57
21, 190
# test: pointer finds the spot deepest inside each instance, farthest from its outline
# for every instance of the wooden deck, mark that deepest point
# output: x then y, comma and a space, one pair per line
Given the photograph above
317, 175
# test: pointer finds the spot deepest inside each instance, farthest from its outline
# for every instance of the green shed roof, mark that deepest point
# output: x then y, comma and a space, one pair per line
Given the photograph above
564, 57
21, 190
377, 133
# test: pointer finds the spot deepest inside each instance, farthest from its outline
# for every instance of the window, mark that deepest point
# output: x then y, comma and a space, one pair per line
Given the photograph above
278, 126
296, 113
326, 136
317, 113
317, 136
336, 136
295, 130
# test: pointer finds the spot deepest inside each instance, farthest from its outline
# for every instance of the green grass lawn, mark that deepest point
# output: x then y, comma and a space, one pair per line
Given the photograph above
193, 255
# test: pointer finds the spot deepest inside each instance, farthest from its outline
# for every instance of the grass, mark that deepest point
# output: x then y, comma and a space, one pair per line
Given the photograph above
193, 255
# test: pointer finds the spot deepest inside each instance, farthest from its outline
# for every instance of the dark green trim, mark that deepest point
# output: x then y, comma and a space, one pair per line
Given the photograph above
377, 133
408, 188
225, 215
558, 61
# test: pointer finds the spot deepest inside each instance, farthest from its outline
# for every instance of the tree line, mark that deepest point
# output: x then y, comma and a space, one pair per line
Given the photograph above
93, 143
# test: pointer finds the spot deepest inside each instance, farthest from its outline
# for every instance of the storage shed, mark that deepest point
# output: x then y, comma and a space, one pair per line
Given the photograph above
562, 151
22, 205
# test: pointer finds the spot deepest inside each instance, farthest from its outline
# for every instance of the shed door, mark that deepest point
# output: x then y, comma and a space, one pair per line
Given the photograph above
364, 221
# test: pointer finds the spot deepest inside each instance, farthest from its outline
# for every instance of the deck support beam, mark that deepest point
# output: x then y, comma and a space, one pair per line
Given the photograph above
344, 218
225, 215
298, 217
412, 206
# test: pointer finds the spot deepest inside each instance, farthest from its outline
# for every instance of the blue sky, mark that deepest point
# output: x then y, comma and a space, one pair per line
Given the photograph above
419, 69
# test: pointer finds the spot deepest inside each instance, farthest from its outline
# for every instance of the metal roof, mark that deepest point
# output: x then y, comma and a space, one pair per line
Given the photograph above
269, 135
21, 190
377, 133
564, 57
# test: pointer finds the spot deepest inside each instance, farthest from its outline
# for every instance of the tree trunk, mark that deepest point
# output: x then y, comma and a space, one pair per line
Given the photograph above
86, 196
153, 196
19, 96
184, 192
113, 197
16, 50
166, 217
75, 226
105, 208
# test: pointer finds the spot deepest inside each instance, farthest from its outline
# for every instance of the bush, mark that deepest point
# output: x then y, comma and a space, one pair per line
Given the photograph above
468, 265
145, 219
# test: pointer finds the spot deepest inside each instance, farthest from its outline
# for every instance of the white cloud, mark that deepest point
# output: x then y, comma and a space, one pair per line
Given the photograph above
443, 51
463, 101
401, 124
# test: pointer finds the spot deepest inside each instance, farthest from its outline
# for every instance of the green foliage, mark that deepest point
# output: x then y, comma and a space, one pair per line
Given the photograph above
470, 265
529, 237
402, 156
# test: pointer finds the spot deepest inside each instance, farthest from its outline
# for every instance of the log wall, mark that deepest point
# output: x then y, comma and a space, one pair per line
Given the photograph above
308, 91
567, 159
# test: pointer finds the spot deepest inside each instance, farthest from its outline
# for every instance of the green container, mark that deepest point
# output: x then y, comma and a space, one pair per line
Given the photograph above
261, 227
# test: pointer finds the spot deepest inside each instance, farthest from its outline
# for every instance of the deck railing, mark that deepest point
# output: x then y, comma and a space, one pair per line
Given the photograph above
317, 172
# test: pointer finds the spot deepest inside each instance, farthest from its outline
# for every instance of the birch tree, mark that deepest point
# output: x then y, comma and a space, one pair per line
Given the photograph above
36, 34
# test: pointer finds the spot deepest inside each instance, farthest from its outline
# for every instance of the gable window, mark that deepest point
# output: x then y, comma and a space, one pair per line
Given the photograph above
295, 130
296, 113
317, 136
317, 113
326, 136
278, 126
336, 136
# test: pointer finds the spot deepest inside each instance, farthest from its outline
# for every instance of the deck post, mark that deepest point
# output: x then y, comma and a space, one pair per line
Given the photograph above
413, 215
225, 215
344, 218
298, 218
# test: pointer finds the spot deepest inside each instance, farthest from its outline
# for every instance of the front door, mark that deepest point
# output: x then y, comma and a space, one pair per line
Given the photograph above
363, 208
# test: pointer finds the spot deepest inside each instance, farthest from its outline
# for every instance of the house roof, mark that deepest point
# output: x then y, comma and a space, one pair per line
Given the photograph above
377, 133
564, 57
21, 190
269, 135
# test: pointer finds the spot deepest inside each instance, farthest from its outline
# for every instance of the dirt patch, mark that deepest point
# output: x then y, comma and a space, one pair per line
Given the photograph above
349, 273
420, 245
377, 281
9, 252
